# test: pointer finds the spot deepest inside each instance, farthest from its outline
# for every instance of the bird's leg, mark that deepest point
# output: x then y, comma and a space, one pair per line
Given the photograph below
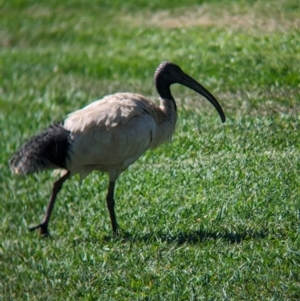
110, 205
43, 226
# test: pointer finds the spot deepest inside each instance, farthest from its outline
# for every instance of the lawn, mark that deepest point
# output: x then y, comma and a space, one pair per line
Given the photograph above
213, 215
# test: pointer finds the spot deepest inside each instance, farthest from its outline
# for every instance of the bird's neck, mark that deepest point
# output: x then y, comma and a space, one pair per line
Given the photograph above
167, 102
166, 114
167, 117
164, 92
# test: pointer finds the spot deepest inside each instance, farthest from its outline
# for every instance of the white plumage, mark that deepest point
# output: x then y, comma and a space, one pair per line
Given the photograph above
108, 135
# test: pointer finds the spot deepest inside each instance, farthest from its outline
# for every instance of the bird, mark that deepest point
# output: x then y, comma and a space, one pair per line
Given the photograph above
108, 135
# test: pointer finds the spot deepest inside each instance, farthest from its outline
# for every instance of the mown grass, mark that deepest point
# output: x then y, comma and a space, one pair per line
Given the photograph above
215, 215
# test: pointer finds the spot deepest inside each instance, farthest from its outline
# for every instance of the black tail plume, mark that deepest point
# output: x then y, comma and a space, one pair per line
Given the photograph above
47, 150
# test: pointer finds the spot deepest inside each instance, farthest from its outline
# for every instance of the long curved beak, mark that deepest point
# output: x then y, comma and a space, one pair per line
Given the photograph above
189, 82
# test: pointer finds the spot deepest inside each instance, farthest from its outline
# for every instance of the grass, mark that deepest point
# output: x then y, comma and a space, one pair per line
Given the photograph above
215, 215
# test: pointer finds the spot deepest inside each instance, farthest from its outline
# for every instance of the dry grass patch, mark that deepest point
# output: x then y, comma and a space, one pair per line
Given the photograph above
258, 17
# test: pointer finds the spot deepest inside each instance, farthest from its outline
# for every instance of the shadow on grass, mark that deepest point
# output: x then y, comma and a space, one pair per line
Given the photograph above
192, 237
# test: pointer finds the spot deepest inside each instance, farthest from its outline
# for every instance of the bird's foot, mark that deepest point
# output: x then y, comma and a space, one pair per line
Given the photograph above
118, 232
43, 229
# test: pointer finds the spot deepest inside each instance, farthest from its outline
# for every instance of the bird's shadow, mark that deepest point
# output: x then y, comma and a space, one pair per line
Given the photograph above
190, 237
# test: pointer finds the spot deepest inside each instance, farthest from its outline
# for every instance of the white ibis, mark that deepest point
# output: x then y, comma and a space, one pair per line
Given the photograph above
108, 135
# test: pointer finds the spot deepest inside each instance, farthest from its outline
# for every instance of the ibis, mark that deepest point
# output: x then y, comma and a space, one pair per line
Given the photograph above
107, 135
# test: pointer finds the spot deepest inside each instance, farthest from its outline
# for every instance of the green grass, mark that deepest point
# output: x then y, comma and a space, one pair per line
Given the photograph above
215, 215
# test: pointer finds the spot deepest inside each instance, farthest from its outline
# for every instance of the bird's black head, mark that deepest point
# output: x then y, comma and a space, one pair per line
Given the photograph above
168, 73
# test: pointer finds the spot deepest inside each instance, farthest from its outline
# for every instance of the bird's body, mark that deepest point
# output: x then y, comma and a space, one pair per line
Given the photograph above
108, 135
112, 133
